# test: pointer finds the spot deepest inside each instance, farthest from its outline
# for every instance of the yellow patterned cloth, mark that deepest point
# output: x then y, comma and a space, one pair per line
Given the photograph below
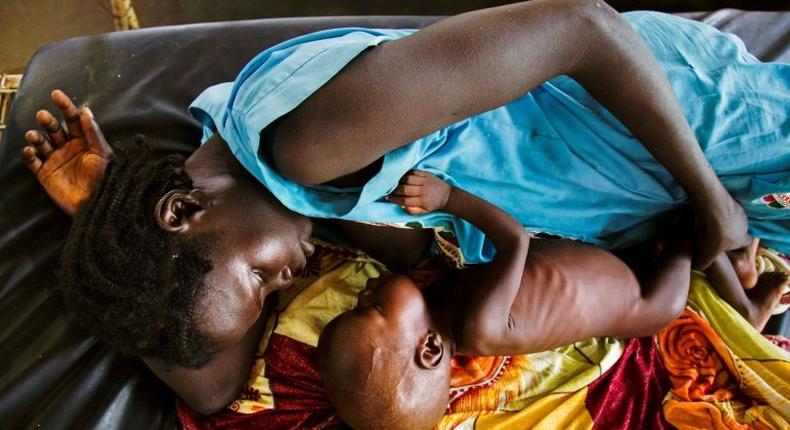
724, 373
709, 369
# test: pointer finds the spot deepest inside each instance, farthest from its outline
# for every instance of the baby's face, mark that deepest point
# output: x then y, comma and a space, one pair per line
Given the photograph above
368, 358
390, 309
392, 297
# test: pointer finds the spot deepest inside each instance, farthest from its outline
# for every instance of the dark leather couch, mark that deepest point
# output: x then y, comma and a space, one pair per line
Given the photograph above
53, 375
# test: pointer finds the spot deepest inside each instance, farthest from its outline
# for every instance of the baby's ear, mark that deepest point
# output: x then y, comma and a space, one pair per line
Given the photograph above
430, 351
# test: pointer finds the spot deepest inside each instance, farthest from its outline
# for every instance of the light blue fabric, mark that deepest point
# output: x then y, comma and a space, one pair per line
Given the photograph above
554, 158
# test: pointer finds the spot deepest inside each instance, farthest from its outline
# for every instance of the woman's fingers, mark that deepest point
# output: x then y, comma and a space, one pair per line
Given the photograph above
70, 112
42, 148
93, 134
31, 160
49, 123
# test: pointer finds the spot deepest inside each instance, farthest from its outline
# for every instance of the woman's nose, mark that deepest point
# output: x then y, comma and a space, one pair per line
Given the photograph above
284, 279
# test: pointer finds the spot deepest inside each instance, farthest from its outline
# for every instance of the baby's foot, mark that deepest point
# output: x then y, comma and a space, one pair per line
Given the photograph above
767, 294
743, 261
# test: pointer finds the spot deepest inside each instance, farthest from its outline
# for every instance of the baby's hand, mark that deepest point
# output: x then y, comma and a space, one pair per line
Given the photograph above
420, 192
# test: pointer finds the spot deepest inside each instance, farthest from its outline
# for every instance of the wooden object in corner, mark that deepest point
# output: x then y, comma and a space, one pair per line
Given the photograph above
124, 15
9, 83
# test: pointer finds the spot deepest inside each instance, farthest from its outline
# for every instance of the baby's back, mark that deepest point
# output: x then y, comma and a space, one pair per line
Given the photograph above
569, 291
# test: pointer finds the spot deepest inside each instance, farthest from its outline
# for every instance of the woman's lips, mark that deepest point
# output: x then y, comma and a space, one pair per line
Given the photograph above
308, 248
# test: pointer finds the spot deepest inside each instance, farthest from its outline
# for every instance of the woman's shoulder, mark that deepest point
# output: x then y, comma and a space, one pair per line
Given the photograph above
275, 83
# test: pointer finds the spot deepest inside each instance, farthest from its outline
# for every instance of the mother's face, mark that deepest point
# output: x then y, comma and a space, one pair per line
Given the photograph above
257, 246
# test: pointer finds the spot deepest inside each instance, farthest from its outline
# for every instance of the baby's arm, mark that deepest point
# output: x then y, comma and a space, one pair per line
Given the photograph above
487, 319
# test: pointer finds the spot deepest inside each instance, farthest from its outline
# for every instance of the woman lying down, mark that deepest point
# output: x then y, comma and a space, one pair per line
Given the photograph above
386, 363
532, 88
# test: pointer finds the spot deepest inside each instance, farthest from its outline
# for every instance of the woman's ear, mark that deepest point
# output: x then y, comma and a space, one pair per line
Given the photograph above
431, 351
176, 209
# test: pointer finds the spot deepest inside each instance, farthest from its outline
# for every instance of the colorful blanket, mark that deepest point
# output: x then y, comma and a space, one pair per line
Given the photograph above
708, 369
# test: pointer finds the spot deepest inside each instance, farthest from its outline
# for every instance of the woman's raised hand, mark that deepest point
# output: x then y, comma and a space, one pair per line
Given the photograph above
68, 163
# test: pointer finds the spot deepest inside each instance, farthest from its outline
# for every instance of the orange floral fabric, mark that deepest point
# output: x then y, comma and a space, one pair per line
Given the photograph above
698, 362
707, 381
469, 370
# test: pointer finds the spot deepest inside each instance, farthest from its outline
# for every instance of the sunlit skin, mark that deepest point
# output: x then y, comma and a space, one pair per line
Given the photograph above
258, 257
516, 305
734, 276
378, 104
256, 245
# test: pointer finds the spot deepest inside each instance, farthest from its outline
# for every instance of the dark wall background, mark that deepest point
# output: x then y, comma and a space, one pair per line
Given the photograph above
27, 24
208, 10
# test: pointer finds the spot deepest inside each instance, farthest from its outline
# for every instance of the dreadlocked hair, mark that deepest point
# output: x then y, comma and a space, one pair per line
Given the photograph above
131, 283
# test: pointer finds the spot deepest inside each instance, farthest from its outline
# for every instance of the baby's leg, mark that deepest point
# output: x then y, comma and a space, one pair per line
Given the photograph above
765, 296
743, 262
755, 304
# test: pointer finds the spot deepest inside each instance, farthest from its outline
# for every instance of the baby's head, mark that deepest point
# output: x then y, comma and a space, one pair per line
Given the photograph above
383, 363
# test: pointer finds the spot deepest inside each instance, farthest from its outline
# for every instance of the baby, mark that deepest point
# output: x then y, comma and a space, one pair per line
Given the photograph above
386, 363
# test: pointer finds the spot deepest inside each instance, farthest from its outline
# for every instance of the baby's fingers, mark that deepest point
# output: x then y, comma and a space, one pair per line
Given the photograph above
415, 210
408, 190
412, 179
404, 201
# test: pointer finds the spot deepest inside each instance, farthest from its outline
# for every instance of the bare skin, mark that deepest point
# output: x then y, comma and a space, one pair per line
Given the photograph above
561, 292
378, 105
68, 164
734, 276
253, 261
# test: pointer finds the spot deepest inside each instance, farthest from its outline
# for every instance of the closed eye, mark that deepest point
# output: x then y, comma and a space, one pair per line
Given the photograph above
368, 307
260, 275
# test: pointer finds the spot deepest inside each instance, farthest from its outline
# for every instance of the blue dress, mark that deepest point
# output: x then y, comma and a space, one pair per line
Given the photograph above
555, 159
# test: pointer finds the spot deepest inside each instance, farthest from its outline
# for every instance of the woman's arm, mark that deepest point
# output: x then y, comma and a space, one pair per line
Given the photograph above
470, 63
486, 321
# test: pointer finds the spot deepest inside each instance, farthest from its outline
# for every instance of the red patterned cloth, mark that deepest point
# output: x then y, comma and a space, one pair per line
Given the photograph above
629, 395
294, 380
